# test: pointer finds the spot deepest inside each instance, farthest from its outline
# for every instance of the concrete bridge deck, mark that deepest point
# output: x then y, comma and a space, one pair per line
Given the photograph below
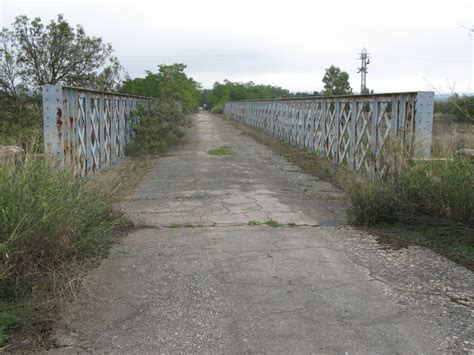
199, 277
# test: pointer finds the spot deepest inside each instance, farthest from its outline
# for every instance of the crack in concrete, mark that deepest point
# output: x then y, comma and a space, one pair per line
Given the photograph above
223, 225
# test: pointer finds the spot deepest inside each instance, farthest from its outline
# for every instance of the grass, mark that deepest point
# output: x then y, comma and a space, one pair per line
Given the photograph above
454, 242
178, 226
50, 225
28, 138
426, 203
21, 122
269, 222
430, 203
272, 223
8, 320
439, 189
221, 151
449, 136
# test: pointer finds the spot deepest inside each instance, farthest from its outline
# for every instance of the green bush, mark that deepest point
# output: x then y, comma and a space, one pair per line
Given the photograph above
160, 127
371, 202
443, 189
219, 108
437, 190
458, 107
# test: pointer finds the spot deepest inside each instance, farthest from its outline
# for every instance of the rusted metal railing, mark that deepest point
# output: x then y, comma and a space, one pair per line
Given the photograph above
87, 130
359, 131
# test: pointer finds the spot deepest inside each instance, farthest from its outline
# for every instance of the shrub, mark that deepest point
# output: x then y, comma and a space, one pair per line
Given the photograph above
218, 109
159, 128
371, 202
436, 190
457, 107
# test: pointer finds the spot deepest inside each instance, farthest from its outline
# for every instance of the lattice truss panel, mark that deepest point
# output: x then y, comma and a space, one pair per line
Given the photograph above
344, 135
363, 137
87, 130
361, 132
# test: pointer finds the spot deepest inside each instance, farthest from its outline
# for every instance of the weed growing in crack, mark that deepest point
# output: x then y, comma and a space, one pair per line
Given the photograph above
272, 223
253, 223
221, 151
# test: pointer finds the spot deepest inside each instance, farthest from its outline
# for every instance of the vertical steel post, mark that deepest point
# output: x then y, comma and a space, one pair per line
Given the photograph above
88, 141
336, 131
102, 144
423, 124
52, 122
322, 142
374, 136
352, 133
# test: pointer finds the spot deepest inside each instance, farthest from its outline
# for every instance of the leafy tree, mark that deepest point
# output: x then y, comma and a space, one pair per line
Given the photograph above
36, 54
170, 84
336, 82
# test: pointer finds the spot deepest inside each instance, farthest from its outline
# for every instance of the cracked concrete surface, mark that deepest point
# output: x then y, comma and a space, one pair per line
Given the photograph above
226, 286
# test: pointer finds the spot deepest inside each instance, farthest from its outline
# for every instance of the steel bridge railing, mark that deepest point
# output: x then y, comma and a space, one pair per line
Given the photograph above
359, 131
87, 130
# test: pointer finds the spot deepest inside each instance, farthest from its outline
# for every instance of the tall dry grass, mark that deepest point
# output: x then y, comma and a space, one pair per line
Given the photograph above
51, 224
450, 136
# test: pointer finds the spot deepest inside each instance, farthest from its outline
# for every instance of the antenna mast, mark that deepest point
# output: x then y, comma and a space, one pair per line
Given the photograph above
365, 60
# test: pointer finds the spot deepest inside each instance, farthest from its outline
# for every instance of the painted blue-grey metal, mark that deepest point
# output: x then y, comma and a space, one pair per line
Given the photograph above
359, 131
87, 130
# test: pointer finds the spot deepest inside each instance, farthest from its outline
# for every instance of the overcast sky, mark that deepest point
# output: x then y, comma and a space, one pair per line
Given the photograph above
415, 44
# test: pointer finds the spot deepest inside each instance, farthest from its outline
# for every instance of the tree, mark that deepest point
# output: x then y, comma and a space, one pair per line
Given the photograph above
170, 84
336, 82
55, 54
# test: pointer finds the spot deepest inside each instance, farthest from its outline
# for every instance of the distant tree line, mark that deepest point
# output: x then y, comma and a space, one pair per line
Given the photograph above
216, 97
336, 82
